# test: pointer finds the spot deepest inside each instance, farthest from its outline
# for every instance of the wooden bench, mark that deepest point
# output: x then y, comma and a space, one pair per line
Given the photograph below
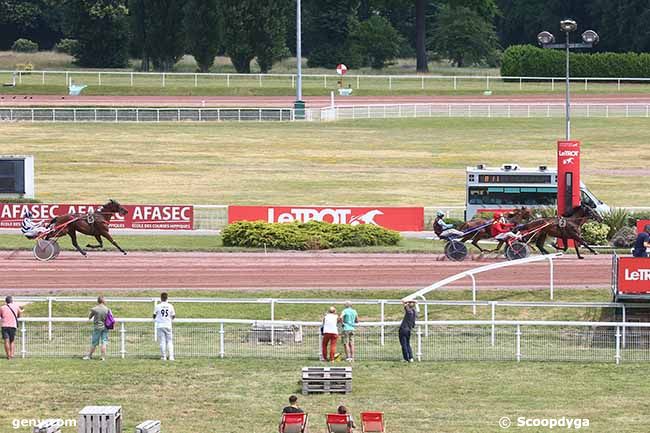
149, 426
100, 419
326, 379
48, 426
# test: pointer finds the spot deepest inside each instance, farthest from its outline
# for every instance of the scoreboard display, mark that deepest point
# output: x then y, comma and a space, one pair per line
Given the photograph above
12, 176
515, 178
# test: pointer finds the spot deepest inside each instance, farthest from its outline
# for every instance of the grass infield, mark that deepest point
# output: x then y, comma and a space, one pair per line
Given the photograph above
417, 162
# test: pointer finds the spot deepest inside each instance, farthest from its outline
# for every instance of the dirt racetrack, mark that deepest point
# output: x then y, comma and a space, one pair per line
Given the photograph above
21, 273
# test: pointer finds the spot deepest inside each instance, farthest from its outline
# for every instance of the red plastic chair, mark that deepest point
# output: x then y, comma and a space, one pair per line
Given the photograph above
294, 423
372, 422
337, 423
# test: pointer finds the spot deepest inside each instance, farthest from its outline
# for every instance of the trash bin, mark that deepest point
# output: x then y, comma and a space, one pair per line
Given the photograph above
299, 110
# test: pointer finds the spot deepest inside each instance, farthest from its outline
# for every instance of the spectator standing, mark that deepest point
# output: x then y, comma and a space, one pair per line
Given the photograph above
100, 333
163, 315
405, 328
9, 314
642, 243
330, 334
349, 318
342, 410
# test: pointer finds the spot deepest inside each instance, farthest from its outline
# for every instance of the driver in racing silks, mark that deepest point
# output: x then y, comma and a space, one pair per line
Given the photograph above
501, 229
444, 230
30, 229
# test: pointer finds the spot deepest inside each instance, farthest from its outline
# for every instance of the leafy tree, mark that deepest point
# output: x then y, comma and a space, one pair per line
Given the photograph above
202, 29
157, 27
101, 27
37, 20
622, 24
377, 41
327, 26
464, 36
255, 29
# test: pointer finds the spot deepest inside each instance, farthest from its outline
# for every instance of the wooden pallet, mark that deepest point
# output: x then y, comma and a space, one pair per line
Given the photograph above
322, 386
100, 419
48, 426
334, 373
149, 426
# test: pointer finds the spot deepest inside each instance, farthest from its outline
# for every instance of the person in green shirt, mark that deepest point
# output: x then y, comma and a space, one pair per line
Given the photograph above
100, 334
349, 318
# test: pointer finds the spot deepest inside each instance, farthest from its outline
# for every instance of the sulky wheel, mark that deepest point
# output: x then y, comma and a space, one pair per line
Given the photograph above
456, 251
45, 250
517, 250
57, 249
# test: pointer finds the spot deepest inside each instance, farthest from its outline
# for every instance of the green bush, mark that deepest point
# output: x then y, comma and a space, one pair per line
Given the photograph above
624, 238
24, 46
616, 219
531, 61
377, 41
68, 46
305, 236
595, 233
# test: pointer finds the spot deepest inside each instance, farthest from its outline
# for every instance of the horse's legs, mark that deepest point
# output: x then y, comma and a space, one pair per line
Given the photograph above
584, 243
111, 240
99, 240
475, 243
539, 243
73, 236
498, 247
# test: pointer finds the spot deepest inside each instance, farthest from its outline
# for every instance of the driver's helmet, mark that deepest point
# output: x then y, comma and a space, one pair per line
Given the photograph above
497, 215
440, 214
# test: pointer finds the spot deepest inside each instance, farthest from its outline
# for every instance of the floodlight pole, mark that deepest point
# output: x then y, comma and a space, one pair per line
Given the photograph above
299, 105
568, 92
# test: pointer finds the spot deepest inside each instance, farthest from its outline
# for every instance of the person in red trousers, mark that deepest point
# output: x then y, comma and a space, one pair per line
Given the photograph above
330, 334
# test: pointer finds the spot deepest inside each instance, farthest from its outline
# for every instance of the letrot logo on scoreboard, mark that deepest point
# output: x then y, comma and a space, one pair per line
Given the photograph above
158, 217
633, 275
394, 218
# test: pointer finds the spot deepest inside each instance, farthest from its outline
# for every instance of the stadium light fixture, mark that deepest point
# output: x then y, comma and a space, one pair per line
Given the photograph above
547, 40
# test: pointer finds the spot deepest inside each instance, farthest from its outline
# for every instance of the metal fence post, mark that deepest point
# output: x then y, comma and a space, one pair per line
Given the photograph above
131, 79
521, 83
487, 82
196, 80
163, 79
222, 346
272, 321
623, 312
618, 345
492, 336
357, 82
552, 283
49, 319
619, 85
473, 294
122, 340
455, 83
23, 341
43, 78
99, 78
67, 78
325, 81
422, 87
518, 334
426, 320
552, 83
419, 354
390, 83
293, 81
227, 80
382, 305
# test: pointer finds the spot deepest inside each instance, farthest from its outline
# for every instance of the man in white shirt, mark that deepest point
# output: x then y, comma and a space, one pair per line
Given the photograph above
163, 315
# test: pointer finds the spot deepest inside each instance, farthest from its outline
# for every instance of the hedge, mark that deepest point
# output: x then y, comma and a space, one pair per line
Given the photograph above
24, 46
305, 236
595, 233
531, 61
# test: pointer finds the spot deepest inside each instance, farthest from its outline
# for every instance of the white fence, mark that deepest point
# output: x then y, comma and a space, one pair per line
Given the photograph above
464, 340
326, 81
482, 110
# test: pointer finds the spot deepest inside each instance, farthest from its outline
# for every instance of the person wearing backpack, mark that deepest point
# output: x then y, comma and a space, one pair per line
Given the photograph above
9, 314
103, 321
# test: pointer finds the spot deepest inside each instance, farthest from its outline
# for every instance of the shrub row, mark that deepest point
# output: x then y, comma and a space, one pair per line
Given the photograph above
305, 236
24, 46
531, 61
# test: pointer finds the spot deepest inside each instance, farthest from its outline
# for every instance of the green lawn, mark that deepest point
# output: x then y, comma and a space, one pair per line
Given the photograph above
384, 162
227, 396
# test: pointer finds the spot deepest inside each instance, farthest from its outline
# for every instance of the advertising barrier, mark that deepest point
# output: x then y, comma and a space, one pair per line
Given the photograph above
633, 275
148, 217
393, 218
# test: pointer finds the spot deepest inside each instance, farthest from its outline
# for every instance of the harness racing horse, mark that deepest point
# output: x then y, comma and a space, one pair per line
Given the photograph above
91, 224
517, 216
567, 227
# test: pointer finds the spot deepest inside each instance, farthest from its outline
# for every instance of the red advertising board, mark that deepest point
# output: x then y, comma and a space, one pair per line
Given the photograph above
640, 225
393, 218
155, 217
633, 275
568, 175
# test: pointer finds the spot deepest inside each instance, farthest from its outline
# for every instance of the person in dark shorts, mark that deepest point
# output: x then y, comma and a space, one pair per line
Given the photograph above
642, 243
405, 328
9, 314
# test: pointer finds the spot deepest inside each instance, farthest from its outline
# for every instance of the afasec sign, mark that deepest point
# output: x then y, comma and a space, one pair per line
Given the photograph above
393, 218
139, 217
633, 275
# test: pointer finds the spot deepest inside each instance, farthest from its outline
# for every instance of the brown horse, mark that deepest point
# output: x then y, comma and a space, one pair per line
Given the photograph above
567, 227
91, 224
517, 216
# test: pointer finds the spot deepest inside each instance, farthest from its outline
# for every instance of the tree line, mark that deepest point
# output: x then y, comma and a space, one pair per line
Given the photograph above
107, 33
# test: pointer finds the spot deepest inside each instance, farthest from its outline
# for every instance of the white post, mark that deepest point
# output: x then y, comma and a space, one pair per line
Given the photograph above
618, 345
521, 83
67, 79
163, 79
357, 82
99, 78
455, 84
552, 83
325, 81
390, 83
492, 336
23, 341
260, 79
624, 320
332, 99
49, 319
518, 333
419, 354
293, 81
426, 320
222, 346
227, 80
131, 79
422, 86
272, 322
619, 85
382, 305
487, 83
43, 78
122, 340
473, 294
